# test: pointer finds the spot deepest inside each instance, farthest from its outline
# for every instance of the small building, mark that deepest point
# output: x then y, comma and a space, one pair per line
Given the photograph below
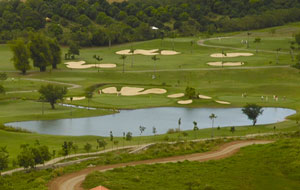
99, 188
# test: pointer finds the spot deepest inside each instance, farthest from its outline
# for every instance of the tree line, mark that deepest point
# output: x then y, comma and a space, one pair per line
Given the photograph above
97, 22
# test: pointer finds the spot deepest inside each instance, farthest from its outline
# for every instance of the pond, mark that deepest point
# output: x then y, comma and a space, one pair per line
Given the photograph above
160, 118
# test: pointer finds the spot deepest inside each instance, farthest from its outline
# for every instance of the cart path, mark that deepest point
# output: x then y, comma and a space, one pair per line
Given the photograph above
73, 181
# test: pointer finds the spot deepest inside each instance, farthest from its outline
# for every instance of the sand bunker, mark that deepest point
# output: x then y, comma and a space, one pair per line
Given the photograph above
218, 55
204, 97
169, 52
185, 101
226, 64
81, 65
76, 98
147, 52
110, 90
133, 91
179, 95
223, 102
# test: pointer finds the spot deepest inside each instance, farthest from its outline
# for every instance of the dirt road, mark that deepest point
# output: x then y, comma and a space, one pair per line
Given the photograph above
73, 181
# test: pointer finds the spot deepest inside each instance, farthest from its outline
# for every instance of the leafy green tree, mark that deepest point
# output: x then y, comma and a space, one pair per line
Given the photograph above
196, 128
232, 129
128, 136
40, 51
26, 157
87, 147
3, 76
73, 50
154, 131
101, 143
52, 93
55, 52
111, 136
190, 92
3, 158
253, 111
55, 31
257, 41
21, 55
179, 123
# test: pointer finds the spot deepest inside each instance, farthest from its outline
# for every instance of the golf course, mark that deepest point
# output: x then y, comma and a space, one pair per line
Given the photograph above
165, 113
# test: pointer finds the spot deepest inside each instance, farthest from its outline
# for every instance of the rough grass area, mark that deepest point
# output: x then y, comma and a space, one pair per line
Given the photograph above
259, 167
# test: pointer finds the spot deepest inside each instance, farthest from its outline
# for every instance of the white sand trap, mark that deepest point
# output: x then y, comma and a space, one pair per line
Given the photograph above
218, 55
169, 52
226, 64
154, 91
223, 102
185, 101
76, 98
205, 97
147, 52
179, 95
81, 65
110, 90
133, 91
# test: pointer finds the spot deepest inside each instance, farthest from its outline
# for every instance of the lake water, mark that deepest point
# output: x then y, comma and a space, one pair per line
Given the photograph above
162, 118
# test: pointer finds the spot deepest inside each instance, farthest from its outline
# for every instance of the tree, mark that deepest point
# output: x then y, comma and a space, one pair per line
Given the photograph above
101, 143
98, 58
55, 52
40, 51
123, 57
297, 39
179, 123
111, 136
66, 148
142, 129
26, 157
73, 50
248, 42
277, 55
21, 55
129, 136
155, 58
132, 54
224, 54
3, 158
252, 111
75, 148
192, 46
52, 93
232, 129
212, 117
154, 131
190, 92
2, 89
292, 49
257, 41
87, 147
195, 129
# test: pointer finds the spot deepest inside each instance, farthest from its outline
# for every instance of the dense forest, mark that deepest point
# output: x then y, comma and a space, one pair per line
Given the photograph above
97, 22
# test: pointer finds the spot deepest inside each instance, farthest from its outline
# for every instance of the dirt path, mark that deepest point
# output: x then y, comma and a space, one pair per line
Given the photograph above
73, 181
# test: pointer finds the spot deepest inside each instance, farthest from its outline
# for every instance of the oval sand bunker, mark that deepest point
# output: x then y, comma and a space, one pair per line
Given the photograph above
179, 95
226, 64
185, 102
219, 55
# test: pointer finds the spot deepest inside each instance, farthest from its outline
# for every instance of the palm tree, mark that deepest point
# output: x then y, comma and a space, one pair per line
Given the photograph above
132, 53
248, 42
212, 117
123, 57
155, 58
224, 54
154, 131
257, 41
277, 55
142, 129
195, 128
98, 58
192, 45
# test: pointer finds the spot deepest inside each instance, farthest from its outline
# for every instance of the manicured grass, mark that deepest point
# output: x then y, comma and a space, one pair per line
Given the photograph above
259, 167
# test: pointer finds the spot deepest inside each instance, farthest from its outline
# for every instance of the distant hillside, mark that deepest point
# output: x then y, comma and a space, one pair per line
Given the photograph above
96, 22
